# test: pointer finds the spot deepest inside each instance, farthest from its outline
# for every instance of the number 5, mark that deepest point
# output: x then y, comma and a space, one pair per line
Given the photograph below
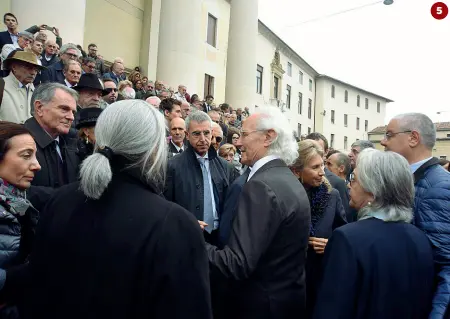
439, 10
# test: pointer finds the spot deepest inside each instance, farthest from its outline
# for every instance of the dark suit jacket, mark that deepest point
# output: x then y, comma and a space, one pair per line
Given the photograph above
266, 252
230, 208
54, 73
52, 61
47, 179
184, 184
376, 269
341, 186
5, 38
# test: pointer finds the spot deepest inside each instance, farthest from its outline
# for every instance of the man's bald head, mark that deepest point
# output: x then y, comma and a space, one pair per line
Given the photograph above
154, 101
178, 131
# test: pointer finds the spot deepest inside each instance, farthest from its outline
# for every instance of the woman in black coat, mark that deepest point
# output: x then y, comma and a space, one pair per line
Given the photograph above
380, 266
110, 246
327, 213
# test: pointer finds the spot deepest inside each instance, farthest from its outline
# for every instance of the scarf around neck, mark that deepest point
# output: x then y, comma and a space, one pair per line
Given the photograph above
318, 198
13, 198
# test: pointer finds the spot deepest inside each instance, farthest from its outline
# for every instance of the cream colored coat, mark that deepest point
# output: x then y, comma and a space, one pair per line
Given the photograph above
16, 106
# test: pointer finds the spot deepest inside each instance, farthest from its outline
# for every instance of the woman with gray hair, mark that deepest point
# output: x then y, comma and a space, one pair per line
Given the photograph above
380, 266
111, 242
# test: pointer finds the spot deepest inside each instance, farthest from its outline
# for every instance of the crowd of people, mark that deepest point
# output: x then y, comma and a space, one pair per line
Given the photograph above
122, 198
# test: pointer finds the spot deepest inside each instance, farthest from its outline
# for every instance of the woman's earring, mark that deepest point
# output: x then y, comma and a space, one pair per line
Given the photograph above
87, 140
369, 204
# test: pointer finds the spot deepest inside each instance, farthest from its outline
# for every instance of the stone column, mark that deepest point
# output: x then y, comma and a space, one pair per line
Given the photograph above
179, 46
67, 16
149, 45
241, 55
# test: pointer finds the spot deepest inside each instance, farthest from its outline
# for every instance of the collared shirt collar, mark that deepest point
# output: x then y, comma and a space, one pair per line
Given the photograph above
67, 83
414, 167
198, 156
18, 83
260, 163
177, 147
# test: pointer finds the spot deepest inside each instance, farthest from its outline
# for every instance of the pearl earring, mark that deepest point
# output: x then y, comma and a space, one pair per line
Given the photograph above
369, 204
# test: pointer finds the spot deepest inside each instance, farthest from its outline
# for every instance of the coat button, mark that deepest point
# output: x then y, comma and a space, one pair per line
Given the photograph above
21, 106
197, 207
198, 186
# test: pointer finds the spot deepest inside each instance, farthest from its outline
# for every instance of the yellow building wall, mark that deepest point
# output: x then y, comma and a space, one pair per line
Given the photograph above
5, 6
116, 32
213, 60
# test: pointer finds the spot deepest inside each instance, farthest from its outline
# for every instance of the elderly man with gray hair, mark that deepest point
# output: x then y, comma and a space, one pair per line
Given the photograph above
266, 250
413, 135
357, 148
54, 73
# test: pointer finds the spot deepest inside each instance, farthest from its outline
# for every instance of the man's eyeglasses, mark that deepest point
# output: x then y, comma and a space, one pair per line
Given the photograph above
389, 135
219, 139
71, 55
109, 90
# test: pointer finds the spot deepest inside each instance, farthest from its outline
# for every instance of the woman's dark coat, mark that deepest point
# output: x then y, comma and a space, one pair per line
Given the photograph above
334, 216
376, 270
130, 254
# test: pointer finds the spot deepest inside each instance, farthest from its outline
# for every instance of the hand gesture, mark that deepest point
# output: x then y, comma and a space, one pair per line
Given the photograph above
43, 27
55, 31
318, 244
202, 224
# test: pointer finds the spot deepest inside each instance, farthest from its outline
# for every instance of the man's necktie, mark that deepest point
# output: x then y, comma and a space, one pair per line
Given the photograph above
180, 151
208, 214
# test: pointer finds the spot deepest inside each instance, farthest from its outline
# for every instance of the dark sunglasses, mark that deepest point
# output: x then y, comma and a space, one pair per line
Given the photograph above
219, 139
109, 90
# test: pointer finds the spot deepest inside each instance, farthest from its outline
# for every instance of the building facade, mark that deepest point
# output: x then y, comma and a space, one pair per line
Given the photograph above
213, 47
441, 148
345, 113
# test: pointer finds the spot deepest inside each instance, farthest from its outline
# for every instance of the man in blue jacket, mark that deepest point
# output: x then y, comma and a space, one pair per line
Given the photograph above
413, 136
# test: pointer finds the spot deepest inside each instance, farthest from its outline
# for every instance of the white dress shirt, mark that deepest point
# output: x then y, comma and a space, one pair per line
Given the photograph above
260, 163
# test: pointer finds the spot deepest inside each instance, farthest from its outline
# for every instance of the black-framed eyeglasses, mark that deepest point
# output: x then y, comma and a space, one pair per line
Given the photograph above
109, 90
389, 135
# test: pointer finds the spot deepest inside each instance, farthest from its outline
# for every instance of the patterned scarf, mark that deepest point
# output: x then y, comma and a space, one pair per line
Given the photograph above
14, 199
319, 197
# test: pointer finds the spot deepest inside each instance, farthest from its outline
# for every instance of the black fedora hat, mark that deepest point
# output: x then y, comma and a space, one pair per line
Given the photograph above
90, 81
88, 117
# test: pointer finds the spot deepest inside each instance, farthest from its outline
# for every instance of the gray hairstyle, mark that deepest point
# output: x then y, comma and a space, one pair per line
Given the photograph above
128, 93
68, 64
131, 129
421, 123
198, 117
363, 144
284, 146
69, 46
46, 91
388, 177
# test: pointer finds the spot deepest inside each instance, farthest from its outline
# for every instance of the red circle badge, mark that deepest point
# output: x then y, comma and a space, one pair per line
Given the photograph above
439, 10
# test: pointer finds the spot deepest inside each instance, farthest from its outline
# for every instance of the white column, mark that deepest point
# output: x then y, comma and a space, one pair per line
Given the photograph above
67, 16
241, 55
149, 45
180, 39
